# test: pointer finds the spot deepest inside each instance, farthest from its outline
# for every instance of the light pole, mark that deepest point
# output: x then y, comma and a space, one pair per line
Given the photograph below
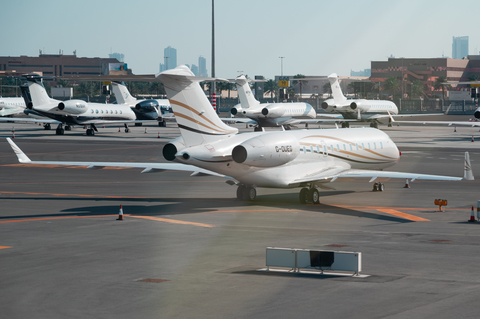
281, 64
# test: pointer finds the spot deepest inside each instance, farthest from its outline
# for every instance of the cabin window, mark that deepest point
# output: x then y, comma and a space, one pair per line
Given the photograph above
318, 149
92, 111
96, 111
374, 145
369, 146
381, 145
363, 146
338, 147
311, 149
356, 144
115, 111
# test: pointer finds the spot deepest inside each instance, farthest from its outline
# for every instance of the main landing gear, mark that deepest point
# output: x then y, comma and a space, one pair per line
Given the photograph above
309, 195
60, 130
47, 126
378, 187
91, 130
374, 124
345, 125
127, 130
246, 192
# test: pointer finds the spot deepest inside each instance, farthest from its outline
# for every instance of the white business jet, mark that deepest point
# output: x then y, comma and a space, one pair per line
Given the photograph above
270, 114
361, 110
280, 159
11, 105
70, 112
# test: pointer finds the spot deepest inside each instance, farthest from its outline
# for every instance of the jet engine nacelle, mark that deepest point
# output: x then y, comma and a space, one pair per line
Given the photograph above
267, 150
73, 106
235, 110
353, 106
327, 107
147, 106
171, 149
273, 111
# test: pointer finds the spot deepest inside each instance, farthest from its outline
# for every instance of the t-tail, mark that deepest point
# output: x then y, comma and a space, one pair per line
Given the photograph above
245, 94
338, 97
196, 118
122, 95
36, 95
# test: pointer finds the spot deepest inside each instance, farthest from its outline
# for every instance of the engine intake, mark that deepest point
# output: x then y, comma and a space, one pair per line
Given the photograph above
327, 107
353, 106
267, 150
73, 106
171, 149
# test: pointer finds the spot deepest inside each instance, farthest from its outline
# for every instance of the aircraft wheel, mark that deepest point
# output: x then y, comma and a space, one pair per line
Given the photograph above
257, 129
314, 196
381, 187
127, 130
249, 193
240, 192
89, 132
344, 125
375, 187
163, 124
47, 127
60, 131
304, 196
68, 128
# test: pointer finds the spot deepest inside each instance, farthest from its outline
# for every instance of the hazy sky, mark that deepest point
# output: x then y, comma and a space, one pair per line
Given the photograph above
316, 37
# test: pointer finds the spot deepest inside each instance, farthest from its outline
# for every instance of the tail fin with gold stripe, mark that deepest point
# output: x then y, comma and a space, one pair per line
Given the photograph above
196, 118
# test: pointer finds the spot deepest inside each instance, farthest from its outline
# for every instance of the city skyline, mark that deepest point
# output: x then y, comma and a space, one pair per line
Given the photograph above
365, 32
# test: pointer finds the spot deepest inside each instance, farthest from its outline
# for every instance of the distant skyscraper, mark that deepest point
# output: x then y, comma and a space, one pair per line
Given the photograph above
170, 57
118, 56
202, 66
460, 47
366, 72
194, 69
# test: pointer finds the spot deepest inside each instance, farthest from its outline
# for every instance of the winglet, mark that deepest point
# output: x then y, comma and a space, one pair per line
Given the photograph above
468, 174
391, 117
22, 158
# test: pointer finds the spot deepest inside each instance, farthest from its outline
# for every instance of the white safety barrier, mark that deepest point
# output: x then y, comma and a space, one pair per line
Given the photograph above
314, 259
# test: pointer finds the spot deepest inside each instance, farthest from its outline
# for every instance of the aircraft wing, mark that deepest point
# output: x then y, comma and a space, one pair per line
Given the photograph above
238, 120
29, 120
333, 116
341, 174
147, 167
449, 123
383, 116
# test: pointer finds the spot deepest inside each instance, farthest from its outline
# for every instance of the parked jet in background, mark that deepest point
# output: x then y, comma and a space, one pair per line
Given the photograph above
11, 105
270, 114
150, 109
70, 112
280, 159
360, 109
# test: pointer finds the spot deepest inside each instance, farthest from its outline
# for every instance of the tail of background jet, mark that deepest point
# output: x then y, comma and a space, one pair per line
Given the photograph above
37, 93
122, 95
196, 118
338, 97
245, 93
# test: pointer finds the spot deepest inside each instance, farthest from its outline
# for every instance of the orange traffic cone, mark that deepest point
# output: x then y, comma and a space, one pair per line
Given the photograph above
455, 129
119, 130
120, 213
145, 130
472, 216
473, 140
406, 184
158, 135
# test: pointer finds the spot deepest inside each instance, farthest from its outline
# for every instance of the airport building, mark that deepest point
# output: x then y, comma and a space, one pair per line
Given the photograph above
60, 65
426, 70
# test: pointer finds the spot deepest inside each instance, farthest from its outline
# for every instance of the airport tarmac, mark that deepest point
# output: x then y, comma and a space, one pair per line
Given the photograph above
188, 248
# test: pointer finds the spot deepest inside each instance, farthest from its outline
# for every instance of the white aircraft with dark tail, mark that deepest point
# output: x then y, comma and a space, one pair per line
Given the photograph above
69, 112
279, 159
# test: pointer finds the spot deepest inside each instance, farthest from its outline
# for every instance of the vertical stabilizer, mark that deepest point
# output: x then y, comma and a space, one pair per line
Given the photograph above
245, 93
196, 118
38, 94
338, 97
122, 95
